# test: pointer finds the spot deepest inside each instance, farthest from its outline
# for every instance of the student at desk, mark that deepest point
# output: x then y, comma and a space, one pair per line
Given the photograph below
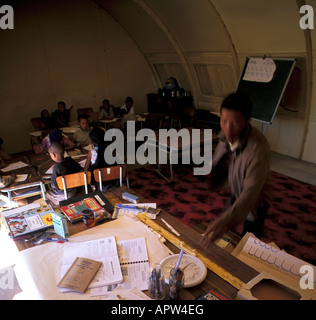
63, 166
47, 122
106, 110
95, 157
61, 116
81, 136
56, 136
128, 111
248, 172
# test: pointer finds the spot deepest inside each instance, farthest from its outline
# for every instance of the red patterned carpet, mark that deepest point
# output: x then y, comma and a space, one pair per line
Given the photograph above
291, 222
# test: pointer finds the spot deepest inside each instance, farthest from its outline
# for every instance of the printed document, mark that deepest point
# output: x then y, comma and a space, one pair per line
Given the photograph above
103, 250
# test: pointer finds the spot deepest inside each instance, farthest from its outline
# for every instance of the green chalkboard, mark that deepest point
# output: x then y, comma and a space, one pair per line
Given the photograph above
266, 96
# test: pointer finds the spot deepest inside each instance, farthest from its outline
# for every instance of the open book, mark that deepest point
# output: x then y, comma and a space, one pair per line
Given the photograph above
27, 219
134, 265
103, 250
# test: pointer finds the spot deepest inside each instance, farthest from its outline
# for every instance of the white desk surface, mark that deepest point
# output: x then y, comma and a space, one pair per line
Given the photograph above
38, 268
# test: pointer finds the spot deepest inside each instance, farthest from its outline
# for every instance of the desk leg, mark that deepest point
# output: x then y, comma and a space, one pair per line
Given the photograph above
10, 199
170, 165
43, 189
158, 170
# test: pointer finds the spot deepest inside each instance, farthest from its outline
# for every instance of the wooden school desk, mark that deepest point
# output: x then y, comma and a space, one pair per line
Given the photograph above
32, 186
181, 148
68, 131
42, 161
118, 123
221, 259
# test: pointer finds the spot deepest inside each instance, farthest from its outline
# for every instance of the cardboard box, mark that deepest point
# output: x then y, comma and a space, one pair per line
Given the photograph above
130, 197
60, 224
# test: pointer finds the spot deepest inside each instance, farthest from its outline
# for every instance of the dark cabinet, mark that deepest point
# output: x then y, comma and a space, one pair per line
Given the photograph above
161, 104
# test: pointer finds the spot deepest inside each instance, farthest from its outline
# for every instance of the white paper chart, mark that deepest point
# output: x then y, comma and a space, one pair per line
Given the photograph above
260, 70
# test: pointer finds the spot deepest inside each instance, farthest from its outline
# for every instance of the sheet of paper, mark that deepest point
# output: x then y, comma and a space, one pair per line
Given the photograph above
120, 293
50, 170
80, 274
21, 177
265, 257
14, 166
83, 163
132, 209
76, 153
89, 147
142, 205
103, 250
36, 133
109, 120
259, 70
71, 129
134, 263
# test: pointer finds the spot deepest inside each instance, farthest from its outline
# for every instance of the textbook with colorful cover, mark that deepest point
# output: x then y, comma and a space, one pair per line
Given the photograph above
73, 207
212, 295
28, 219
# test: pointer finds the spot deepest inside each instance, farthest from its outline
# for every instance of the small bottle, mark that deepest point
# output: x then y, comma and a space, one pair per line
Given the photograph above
156, 282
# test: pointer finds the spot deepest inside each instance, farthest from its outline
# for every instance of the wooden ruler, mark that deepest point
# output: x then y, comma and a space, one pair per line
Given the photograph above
221, 272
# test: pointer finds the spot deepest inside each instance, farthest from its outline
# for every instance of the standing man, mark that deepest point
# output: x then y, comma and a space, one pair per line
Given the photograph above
248, 172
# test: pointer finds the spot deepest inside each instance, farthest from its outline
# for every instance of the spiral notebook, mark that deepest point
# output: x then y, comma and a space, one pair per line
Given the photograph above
134, 264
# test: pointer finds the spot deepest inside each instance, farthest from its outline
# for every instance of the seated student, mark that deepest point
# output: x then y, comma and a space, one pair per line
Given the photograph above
62, 167
106, 110
95, 157
56, 136
128, 111
61, 116
47, 122
81, 136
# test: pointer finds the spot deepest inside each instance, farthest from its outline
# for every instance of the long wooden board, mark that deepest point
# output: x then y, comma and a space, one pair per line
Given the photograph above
220, 271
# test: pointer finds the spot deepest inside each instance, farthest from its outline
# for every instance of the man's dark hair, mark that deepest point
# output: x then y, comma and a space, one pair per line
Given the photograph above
62, 103
97, 135
55, 136
238, 101
129, 99
82, 116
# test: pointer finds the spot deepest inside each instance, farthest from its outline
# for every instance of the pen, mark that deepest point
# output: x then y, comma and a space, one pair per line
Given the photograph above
56, 239
170, 227
37, 238
22, 237
131, 207
178, 261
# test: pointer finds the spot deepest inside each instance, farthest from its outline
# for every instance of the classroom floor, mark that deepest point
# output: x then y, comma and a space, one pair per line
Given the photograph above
298, 169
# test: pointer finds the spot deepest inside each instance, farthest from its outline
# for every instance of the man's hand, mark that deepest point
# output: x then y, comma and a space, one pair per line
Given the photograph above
214, 231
